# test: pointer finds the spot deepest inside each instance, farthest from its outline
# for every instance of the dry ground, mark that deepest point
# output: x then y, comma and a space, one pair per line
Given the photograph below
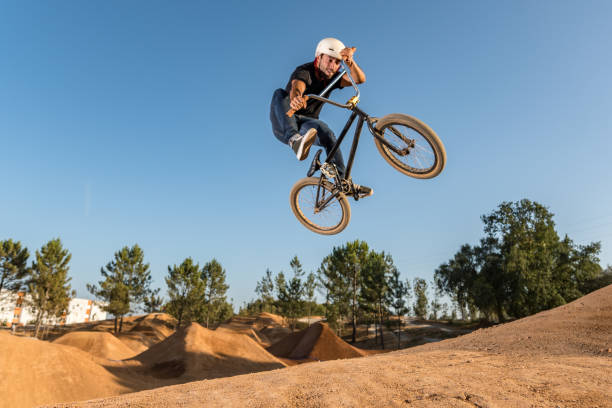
558, 358
422, 378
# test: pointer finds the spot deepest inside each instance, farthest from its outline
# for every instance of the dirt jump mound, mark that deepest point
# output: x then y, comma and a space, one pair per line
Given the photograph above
583, 326
318, 342
196, 353
100, 344
136, 341
265, 328
156, 326
270, 319
34, 372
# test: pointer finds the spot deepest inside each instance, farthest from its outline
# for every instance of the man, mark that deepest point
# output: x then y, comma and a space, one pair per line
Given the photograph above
304, 128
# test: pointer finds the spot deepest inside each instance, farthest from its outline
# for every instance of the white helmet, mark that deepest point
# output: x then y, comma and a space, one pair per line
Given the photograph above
330, 46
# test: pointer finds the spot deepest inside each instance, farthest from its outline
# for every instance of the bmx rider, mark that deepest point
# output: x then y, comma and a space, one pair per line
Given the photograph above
304, 128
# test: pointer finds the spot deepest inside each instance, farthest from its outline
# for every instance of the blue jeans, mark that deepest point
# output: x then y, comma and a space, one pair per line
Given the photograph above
285, 127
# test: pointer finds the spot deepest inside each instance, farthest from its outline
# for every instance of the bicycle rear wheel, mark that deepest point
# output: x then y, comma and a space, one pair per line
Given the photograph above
426, 156
329, 219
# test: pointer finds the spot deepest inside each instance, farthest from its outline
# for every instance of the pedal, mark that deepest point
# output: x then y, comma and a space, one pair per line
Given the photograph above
361, 191
315, 165
328, 170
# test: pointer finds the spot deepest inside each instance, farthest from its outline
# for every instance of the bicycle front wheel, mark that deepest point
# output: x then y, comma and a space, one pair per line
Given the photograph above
423, 155
316, 207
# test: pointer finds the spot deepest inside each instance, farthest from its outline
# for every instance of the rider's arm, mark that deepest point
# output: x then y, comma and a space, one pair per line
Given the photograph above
356, 72
295, 96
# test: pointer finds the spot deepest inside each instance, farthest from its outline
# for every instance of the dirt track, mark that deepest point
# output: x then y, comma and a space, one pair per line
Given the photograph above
561, 357
419, 379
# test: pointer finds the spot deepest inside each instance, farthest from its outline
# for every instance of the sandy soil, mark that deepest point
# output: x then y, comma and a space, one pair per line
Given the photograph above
101, 344
558, 358
35, 372
422, 379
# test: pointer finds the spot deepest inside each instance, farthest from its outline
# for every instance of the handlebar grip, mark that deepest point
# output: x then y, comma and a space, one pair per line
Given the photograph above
290, 112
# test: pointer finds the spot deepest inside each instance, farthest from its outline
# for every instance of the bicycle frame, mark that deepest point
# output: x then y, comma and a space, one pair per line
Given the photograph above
363, 117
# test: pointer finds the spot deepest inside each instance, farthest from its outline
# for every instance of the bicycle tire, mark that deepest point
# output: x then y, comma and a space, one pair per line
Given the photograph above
302, 199
421, 133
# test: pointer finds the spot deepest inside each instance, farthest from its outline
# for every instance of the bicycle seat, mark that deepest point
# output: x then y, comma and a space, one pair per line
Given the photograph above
315, 165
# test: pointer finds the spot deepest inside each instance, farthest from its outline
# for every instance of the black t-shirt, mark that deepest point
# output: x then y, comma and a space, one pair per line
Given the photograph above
314, 85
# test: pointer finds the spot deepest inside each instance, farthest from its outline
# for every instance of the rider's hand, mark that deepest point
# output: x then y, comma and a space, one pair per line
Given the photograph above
297, 103
347, 55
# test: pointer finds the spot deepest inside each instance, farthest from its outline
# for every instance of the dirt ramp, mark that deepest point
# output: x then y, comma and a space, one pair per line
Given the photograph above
270, 320
195, 353
265, 328
274, 334
318, 342
243, 325
100, 344
136, 341
156, 326
583, 326
34, 372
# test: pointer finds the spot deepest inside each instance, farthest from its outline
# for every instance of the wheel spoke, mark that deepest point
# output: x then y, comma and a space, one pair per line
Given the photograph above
327, 218
421, 157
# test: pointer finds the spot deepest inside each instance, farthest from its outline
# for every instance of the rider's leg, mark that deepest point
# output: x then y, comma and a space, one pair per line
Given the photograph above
283, 126
325, 138
286, 129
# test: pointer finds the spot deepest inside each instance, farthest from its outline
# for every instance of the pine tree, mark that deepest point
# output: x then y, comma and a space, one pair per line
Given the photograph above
375, 288
420, 294
126, 284
435, 304
408, 295
342, 270
213, 276
282, 297
334, 307
397, 294
290, 293
113, 292
309, 293
152, 302
186, 292
13, 265
265, 290
48, 282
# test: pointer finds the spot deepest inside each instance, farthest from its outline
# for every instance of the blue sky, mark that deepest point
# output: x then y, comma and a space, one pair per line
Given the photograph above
147, 122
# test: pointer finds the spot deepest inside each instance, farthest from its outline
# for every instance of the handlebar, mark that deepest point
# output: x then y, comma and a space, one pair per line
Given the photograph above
349, 105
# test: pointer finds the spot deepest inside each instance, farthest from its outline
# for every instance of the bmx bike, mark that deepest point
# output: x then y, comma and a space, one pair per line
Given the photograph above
409, 145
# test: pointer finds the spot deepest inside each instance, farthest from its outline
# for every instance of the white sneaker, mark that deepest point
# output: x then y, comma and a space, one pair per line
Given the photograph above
301, 144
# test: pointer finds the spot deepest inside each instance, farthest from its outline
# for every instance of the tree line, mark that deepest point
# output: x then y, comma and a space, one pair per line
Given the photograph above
195, 294
520, 267
46, 279
358, 285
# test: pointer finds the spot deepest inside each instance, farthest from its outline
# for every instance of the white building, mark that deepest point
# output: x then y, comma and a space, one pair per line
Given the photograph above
14, 310
8, 307
84, 310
